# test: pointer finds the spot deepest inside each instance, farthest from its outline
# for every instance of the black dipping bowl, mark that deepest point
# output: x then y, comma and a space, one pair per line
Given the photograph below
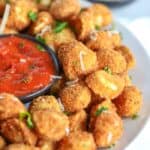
29, 97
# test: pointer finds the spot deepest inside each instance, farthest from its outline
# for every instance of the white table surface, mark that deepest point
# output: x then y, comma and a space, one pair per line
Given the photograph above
136, 17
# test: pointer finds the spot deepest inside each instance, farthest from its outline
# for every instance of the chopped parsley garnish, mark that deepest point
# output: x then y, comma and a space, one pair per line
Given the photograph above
59, 26
41, 39
107, 69
40, 48
67, 113
100, 110
111, 146
26, 115
7, 1
97, 27
38, 1
26, 79
135, 116
130, 77
32, 15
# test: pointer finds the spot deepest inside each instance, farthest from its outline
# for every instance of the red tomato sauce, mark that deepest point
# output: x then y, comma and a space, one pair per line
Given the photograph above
23, 67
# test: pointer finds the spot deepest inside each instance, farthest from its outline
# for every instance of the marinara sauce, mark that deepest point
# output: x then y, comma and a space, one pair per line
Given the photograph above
24, 66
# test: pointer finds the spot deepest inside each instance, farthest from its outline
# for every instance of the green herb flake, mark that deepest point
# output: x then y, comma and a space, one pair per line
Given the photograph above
135, 116
107, 69
38, 1
111, 146
67, 113
121, 35
7, 1
40, 48
32, 15
40, 39
100, 110
26, 115
59, 26
130, 77
97, 27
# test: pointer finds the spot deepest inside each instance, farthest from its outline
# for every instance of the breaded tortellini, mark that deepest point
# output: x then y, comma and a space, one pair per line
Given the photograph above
75, 97
19, 14
77, 141
126, 52
10, 106
77, 121
111, 59
50, 125
108, 128
76, 59
129, 102
44, 20
16, 131
102, 14
96, 108
64, 9
54, 40
100, 40
45, 103
105, 85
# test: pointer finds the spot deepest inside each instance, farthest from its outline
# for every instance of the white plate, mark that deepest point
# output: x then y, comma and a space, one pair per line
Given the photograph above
141, 78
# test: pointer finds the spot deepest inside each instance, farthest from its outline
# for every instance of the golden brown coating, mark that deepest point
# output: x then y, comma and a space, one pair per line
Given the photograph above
126, 52
103, 40
43, 4
16, 131
74, 57
2, 6
18, 18
10, 106
102, 14
108, 129
83, 24
129, 102
75, 97
44, 19
45, 103
77, 141
78, 121
46, 145
2, 143
55, 39
64, 9
105, 103
50, 124
127, 78
20, 147
104, 84
111, 59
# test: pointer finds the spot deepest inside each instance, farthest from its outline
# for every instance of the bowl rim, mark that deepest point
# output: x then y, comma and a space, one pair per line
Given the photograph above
29, 97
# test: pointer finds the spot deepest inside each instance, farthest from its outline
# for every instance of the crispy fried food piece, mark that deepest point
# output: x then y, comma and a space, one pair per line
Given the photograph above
46, 145
111, 59
10, 106
103, 40
44, 19
97, 107
77, 141
18, 18
127, 78
64, 9
75, 97
105, 85
51, 125
108, 128
2, 143
43, 4
54, 40
129, 102
20, 147
77, 60
126, 52
2, 6
102, 14
16, 131
78, 121
45, 103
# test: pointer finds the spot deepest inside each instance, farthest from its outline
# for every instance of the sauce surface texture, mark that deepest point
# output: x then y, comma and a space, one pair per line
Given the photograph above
24, 68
